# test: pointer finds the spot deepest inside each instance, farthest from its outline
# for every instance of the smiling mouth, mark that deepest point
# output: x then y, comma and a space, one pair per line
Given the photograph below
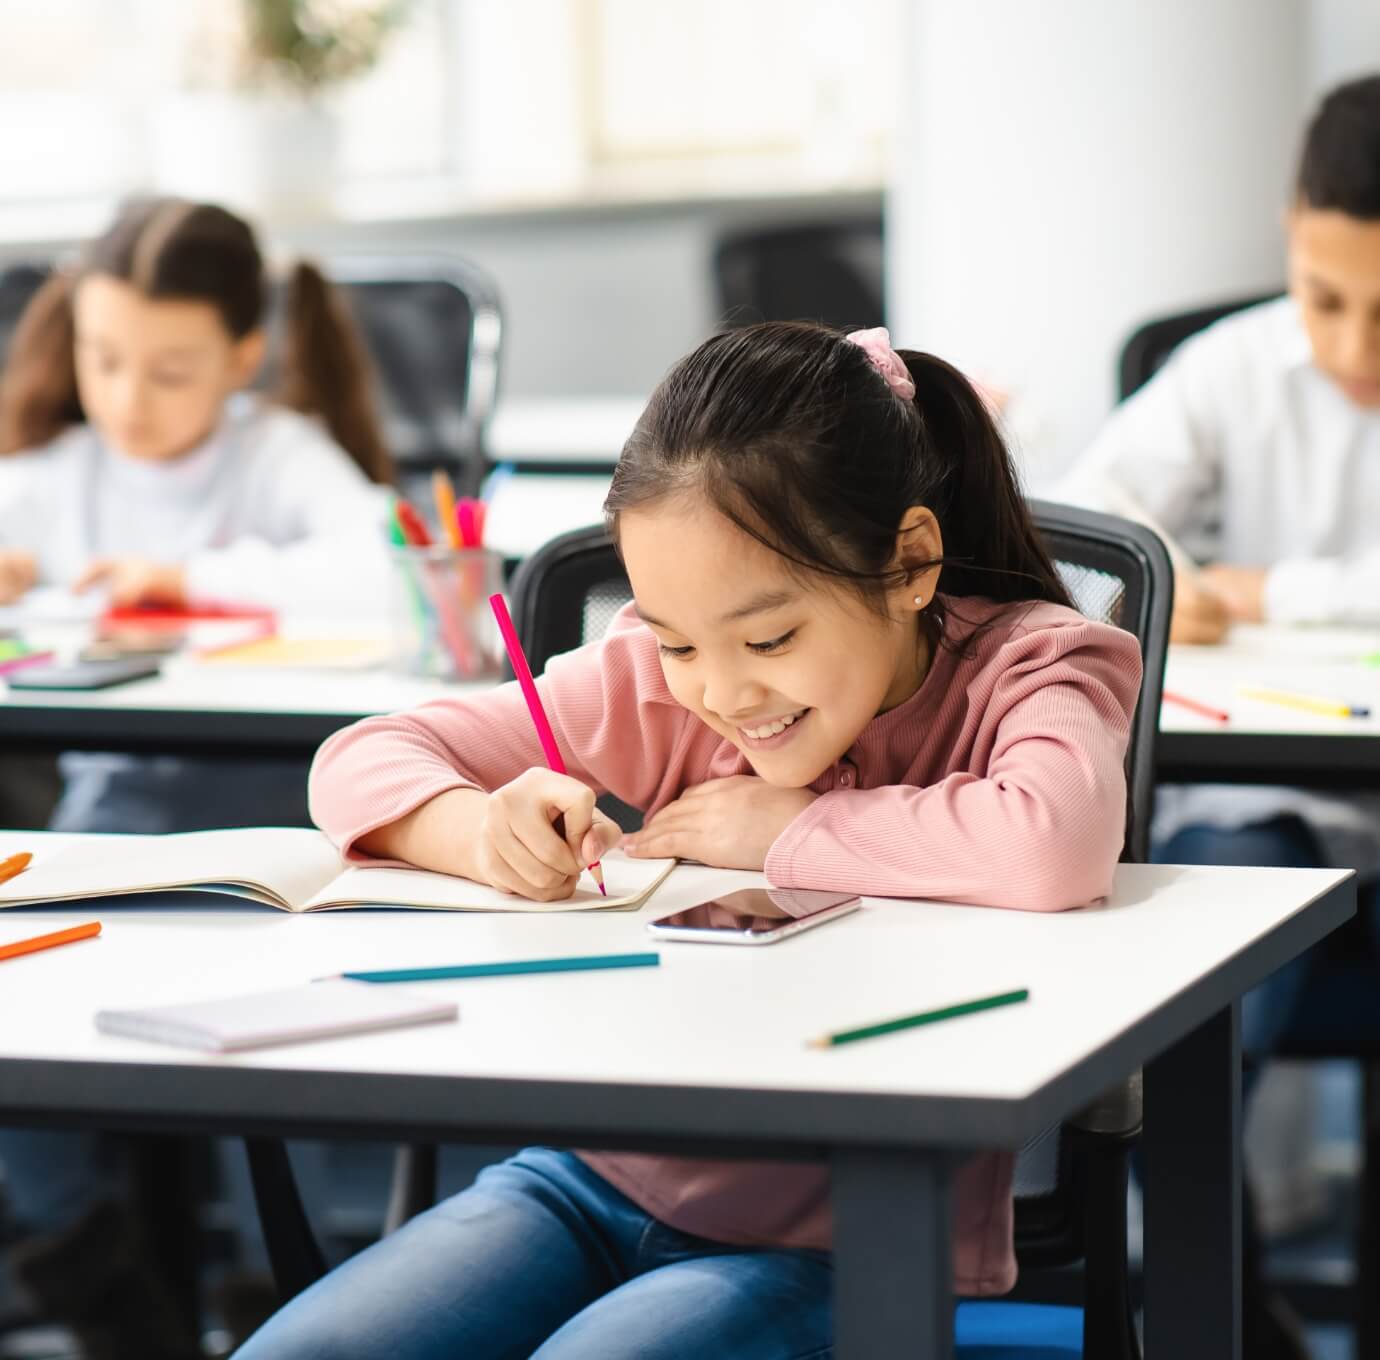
774, 727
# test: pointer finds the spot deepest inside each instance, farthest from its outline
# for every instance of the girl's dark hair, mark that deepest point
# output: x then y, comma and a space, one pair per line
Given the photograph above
1340, 165
168, 248
796, 438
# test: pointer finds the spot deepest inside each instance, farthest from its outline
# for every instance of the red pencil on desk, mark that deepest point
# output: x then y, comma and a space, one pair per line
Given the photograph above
1195, 706
529, 692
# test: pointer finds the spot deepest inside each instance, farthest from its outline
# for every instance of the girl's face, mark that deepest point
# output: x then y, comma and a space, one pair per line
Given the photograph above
153, 375
789, 671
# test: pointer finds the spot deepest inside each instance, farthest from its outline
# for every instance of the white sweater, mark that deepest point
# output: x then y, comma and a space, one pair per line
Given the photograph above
1248, 454
269, 510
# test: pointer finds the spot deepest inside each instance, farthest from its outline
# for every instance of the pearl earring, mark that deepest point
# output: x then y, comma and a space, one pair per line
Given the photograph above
920, 601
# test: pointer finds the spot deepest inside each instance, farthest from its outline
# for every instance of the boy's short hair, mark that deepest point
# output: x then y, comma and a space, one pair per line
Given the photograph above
1340, 166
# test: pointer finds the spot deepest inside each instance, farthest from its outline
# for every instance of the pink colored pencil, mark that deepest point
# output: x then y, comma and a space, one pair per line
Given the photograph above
529, 692
16, 663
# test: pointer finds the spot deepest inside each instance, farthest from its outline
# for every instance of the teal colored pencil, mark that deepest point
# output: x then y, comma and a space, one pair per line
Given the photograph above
986, 1003
575, 964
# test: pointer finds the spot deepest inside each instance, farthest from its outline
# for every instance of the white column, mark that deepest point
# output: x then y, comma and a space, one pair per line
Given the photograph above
1066, 169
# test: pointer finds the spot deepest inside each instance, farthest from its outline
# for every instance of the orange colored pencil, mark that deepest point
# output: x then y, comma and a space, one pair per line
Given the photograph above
50, 941
16, 864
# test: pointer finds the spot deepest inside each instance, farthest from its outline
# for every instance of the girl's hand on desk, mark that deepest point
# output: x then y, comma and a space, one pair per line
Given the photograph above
520, 848
729, 823
1241, 589
1200, 614
135, 581
18, 571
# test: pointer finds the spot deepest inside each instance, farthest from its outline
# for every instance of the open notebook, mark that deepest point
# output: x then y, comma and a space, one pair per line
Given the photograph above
295, 870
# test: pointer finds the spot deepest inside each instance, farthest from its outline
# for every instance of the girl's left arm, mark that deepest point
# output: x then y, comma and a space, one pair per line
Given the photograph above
1040, 830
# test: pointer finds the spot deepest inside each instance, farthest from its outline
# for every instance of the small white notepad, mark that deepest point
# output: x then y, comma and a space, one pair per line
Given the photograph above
317, 1010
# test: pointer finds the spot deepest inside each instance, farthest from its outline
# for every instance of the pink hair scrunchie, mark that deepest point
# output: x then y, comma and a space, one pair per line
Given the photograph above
876, 344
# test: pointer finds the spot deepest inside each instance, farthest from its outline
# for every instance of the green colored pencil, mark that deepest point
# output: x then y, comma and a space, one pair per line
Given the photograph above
574, 964
986, 1003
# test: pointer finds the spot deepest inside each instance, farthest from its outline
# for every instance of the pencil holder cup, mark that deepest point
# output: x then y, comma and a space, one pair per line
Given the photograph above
442, 624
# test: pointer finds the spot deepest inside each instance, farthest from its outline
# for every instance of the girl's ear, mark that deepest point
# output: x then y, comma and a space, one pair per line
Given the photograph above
919, 550
247, 358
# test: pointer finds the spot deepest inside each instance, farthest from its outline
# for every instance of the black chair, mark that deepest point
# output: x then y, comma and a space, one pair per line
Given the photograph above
1071, 1205
830, 272
1346, 982
433, 329
1149, 345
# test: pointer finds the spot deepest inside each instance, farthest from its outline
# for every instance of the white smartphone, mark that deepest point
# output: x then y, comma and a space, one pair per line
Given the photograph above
754, 916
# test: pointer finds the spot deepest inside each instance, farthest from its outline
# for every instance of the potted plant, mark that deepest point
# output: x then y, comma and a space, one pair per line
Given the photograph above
255, 124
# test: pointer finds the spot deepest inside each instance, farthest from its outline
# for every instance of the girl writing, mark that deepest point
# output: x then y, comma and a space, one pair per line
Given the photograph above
849, 663
135, 461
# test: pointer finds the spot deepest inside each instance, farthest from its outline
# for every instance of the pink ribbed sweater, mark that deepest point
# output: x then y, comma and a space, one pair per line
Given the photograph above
999, 782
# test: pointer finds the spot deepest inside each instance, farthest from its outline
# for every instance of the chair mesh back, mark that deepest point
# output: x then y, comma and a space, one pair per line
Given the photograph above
603, 600
1099, 595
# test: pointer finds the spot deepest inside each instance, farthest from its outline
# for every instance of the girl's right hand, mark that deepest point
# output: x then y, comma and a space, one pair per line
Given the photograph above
520, 848
18, 572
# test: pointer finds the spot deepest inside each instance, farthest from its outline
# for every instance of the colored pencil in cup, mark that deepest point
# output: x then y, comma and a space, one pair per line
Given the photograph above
1195, 706
452, 630
985, 1003
443, 493
71, 935
529, 692
578, 963
1310, 703
16, 864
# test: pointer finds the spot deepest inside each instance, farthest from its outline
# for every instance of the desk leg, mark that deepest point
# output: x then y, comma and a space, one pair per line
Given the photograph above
893, 1283
1192, 1174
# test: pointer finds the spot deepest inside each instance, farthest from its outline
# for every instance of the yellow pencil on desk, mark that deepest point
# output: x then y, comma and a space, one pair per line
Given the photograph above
1309, 703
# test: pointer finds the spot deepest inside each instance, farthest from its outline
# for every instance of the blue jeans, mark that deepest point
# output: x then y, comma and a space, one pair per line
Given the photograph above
541, 1257
1272, 1009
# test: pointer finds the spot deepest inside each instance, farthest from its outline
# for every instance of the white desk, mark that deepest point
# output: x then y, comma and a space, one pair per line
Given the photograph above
613, 1060
198, 708
1266, 742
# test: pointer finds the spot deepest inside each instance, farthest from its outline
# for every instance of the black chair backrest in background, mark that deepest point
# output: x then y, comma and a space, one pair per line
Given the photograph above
566, 593
433, 329
830, 272
1149, 345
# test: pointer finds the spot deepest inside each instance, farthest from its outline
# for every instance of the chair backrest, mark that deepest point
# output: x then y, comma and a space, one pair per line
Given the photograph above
1119, 573
433, 329
1144, 353
830, 272
566, 593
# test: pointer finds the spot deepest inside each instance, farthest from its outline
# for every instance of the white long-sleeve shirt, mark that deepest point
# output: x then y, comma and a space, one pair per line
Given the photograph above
268, 510
1248, 454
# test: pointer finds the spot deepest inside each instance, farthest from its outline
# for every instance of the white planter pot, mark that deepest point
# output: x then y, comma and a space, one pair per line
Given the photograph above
268, 156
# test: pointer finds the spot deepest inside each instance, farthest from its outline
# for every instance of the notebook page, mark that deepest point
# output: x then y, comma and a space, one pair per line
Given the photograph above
291, 863
629, 882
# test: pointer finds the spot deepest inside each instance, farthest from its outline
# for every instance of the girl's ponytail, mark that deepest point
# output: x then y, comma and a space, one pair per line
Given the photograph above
326, 370
991, 546
38, 389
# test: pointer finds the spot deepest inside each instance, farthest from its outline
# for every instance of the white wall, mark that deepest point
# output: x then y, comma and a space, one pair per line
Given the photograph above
1072, 167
